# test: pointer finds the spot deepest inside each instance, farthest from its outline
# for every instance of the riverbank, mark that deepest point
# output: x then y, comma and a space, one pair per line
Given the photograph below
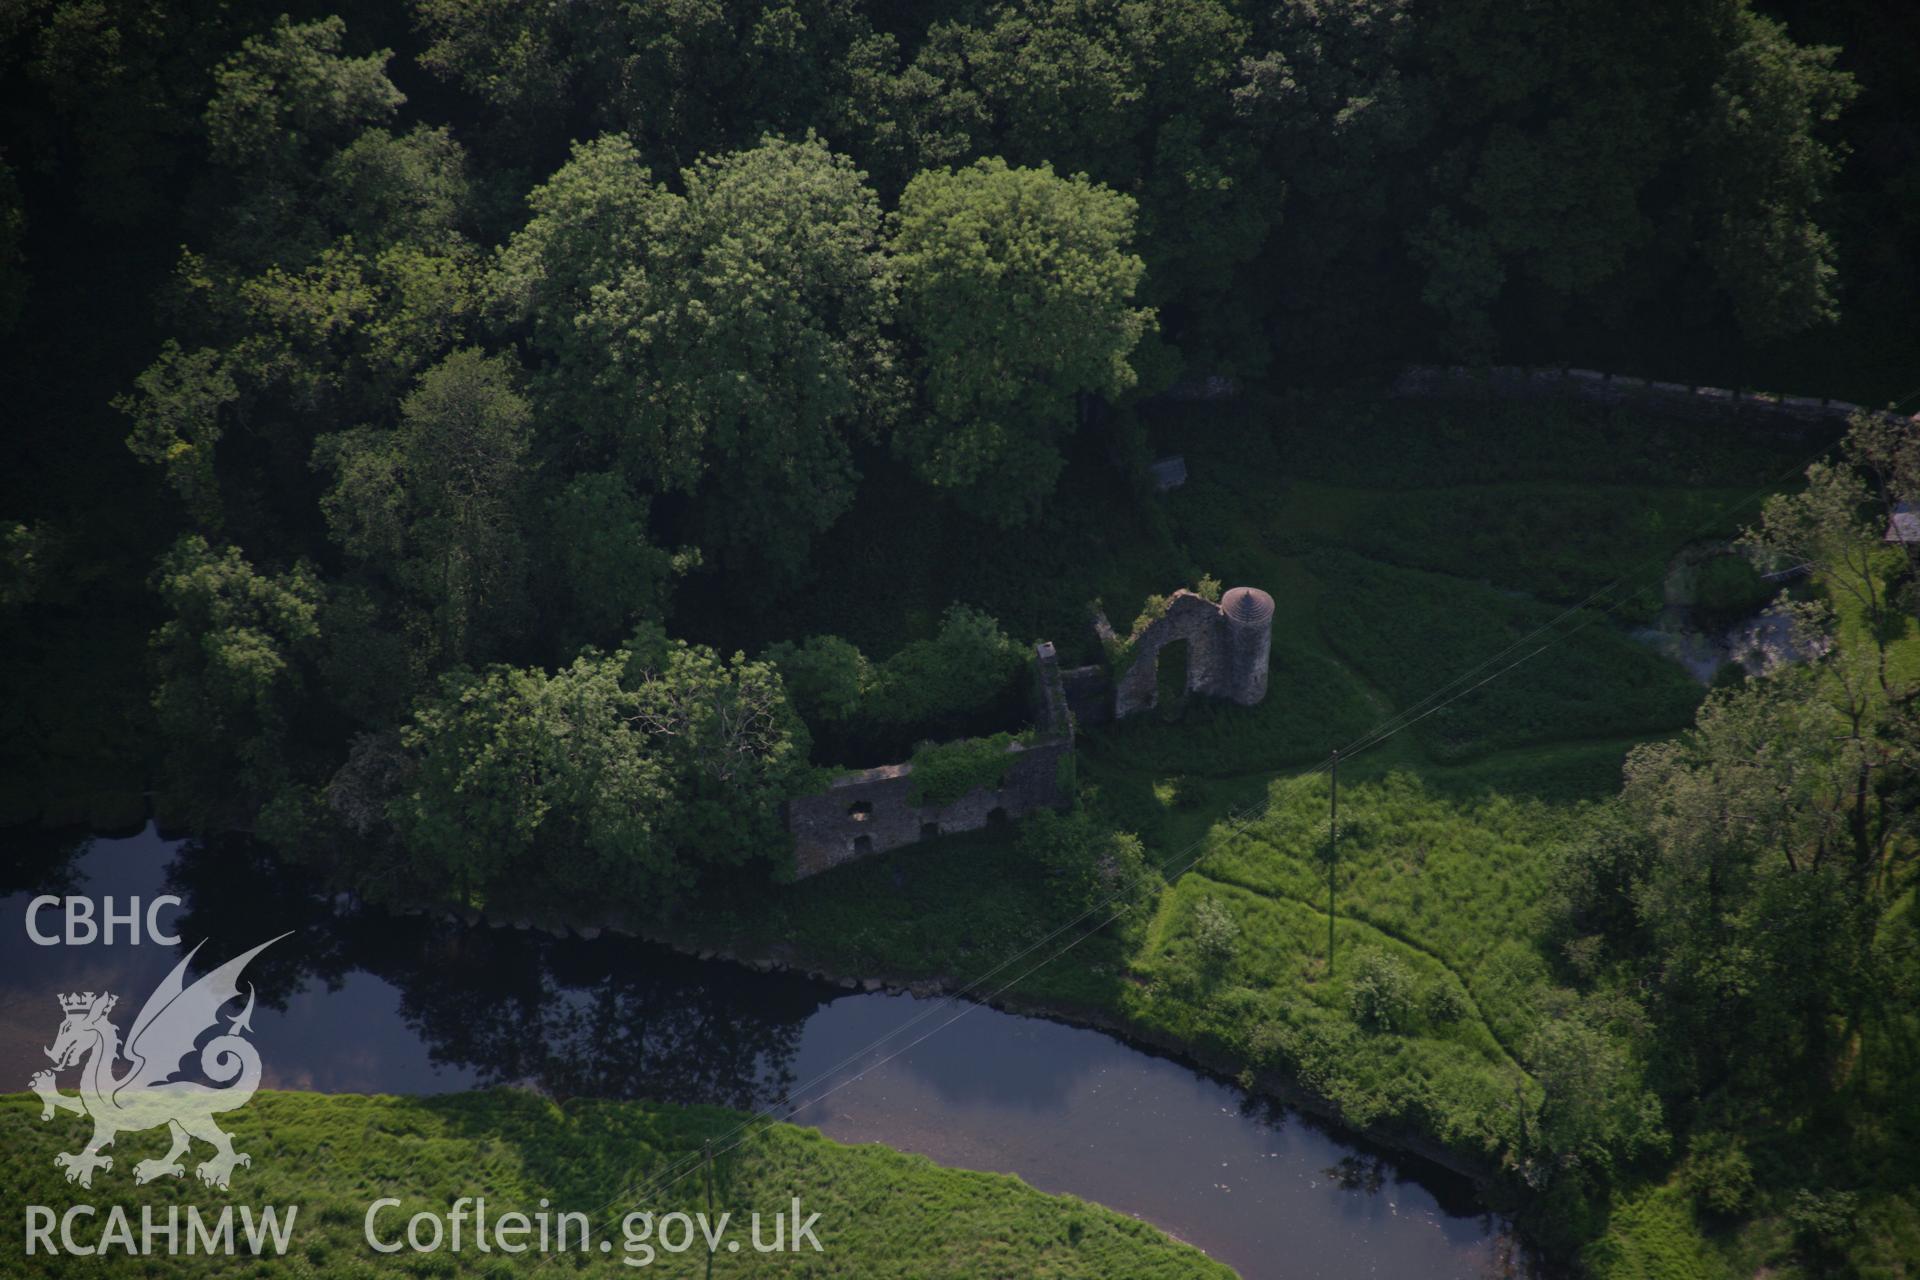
1271, 1085
973, 916
881, 1214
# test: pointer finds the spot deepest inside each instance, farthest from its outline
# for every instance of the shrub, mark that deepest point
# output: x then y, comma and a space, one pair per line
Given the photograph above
1086, 865
825, 677
1120, 649
945, 771
1216, 934
969, 678
1823, 1220
1187, 791
1380, 994
1718, 1173
1444, 1004
970, 666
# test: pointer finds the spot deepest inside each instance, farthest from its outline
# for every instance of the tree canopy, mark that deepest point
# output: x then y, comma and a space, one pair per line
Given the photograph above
1017, 285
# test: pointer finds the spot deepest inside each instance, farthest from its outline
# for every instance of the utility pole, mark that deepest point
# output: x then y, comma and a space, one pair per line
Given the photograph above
1333, 853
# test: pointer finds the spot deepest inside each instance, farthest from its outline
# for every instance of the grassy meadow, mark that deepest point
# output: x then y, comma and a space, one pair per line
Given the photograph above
882, 1213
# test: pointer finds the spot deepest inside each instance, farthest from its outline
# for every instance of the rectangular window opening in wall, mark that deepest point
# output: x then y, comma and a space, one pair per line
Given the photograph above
928, 830
860, 810
862, 845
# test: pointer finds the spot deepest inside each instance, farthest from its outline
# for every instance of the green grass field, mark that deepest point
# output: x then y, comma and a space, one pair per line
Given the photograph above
882, 1214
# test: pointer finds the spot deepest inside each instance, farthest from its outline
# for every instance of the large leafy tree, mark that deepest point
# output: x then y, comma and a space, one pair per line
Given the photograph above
114, 95
235, 662
292, 88
681, 79
1528, 171
439, 502
335, 275
1138, 97
608, 573
1017, 286
1764, 848
281, 105
725, 343
725, 733
1748, 872
521, 775
621, 776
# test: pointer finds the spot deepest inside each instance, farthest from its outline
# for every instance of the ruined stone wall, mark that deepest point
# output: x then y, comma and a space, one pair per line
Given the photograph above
1089, 694
1716, 404
1226, 653
871, 812
1189, 617
860, 814
1051, 710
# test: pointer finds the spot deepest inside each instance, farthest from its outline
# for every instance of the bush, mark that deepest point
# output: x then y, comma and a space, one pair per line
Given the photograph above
1823, 1220
825, 677
1187, 792
1718, 1173
1380, 994
1087, 866
971, 666
969, 678
945, 771
1216, 934
1445, 1004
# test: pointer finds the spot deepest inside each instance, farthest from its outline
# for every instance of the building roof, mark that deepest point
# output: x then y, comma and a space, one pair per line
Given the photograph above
1247, 604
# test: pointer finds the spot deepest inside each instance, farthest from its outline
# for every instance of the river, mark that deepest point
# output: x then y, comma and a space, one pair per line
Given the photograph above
357, 1001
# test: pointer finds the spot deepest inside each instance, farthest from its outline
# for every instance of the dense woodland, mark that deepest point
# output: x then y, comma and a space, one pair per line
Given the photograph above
502, 449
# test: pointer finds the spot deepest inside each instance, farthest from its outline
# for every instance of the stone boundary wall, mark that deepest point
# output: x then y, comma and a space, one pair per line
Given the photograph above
1715, 404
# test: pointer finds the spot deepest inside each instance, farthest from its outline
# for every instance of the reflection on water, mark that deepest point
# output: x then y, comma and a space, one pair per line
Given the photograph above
358, 1001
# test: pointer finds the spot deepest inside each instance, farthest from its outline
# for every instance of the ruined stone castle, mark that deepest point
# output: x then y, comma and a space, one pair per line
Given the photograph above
1226, 650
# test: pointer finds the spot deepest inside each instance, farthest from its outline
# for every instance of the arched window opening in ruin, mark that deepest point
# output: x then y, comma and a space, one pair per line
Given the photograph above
928, 830
862, 845
1171, 678
997, 818
860, 810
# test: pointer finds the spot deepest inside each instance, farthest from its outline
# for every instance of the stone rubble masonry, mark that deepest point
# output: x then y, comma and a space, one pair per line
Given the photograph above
1227, 650
860, 814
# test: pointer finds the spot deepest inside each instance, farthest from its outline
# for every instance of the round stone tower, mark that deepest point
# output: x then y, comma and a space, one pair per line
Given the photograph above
1249, 615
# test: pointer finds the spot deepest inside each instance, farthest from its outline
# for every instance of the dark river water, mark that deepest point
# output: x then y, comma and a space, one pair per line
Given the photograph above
359, 1002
